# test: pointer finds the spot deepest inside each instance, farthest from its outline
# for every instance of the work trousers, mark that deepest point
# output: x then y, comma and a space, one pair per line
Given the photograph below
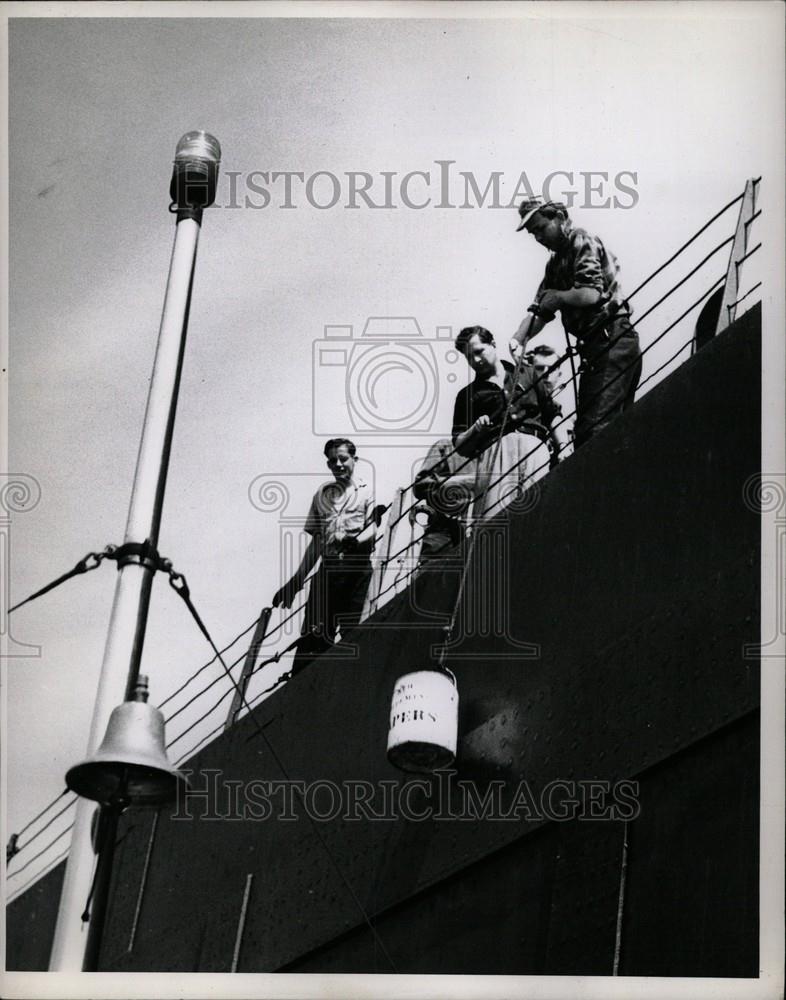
335, 603
611, 369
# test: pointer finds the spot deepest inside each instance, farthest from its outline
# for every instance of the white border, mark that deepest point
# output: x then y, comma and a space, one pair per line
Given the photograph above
772, 933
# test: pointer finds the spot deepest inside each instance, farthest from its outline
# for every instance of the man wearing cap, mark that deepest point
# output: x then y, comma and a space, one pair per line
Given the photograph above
581, 284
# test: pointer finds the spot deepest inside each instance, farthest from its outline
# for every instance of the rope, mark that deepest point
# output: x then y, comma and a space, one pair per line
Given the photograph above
178, 583
329, 853
573, 375
473, 533
91, 561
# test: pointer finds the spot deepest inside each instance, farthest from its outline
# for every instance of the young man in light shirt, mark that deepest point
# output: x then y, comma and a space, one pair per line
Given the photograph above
342, 522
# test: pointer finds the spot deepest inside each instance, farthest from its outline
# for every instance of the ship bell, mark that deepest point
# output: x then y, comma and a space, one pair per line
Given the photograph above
131, 766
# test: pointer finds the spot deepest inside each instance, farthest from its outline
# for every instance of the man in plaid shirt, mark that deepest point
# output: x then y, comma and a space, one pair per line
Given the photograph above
581, 284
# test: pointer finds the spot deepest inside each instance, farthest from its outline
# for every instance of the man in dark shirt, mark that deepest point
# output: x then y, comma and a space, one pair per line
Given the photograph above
480, 406
504, 464
581, 283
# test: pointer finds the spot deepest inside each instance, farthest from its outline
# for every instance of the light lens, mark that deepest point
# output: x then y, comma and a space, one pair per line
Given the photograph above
198, 145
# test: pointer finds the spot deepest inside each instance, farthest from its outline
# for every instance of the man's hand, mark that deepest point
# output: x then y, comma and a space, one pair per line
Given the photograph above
349, 543
285, 595
481, 423
515, 347
516, 418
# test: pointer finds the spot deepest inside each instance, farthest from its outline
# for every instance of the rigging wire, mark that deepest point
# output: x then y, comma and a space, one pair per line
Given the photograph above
682, 281
234, 663
750, 253
43, 850
204, 666
742, 299
39, 815
37, 834
693, 238
38, 875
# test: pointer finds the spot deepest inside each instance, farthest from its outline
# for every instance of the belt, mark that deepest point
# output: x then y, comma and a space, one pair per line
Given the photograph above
602, 335
534, 428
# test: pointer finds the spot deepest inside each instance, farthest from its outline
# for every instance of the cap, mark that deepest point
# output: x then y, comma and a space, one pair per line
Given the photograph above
527, 209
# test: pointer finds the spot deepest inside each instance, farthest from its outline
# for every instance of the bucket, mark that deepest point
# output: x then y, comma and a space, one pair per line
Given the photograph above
423, 721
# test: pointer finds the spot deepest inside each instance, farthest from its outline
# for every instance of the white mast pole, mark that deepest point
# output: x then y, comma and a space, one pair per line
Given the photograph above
193, 188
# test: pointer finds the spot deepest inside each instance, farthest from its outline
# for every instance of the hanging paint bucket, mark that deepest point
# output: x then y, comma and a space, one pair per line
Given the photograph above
423, 721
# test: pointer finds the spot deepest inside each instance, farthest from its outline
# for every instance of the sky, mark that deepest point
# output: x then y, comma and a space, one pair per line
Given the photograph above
677, 105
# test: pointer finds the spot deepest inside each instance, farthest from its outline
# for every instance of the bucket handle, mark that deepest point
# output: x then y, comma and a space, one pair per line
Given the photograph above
445, 670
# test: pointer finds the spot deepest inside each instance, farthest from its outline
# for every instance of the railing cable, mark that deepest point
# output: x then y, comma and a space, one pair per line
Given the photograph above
43, 850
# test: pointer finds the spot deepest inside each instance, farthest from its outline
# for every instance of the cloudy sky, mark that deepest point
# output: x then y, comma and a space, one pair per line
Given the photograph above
654, 113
